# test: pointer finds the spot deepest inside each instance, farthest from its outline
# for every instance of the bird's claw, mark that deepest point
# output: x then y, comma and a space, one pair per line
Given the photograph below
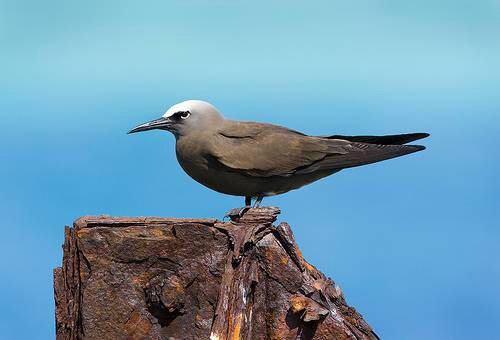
236, 213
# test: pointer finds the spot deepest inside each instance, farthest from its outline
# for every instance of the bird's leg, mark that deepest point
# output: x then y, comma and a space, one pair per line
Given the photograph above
236, 213
248, 205
258, 201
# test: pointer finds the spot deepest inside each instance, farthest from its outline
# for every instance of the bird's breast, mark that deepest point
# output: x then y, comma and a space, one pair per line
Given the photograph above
193, 156
190, 155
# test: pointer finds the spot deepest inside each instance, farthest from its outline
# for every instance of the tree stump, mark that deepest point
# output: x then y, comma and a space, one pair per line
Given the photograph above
170, 278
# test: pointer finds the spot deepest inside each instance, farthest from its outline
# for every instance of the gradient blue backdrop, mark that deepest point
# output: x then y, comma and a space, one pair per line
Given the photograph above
413, 241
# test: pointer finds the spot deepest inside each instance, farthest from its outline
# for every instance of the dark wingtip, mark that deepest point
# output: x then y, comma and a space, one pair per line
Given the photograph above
384, 140
417, 147
411, 137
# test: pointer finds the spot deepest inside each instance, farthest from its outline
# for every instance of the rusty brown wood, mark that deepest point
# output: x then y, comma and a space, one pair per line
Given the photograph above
166, 278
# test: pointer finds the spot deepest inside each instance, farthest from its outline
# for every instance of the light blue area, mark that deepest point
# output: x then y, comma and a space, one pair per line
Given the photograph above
413, 242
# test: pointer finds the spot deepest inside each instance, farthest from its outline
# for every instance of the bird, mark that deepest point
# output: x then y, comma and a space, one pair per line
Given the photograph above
256, 160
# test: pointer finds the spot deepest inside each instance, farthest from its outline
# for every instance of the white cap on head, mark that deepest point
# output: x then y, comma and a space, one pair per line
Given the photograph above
190, 105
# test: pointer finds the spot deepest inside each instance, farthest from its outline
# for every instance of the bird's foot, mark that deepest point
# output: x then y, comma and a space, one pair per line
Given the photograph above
236, 213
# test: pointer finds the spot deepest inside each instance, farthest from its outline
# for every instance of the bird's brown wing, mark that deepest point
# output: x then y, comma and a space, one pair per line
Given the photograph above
358, 154
264, 150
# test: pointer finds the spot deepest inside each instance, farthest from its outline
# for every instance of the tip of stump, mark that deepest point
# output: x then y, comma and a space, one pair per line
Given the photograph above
260, 215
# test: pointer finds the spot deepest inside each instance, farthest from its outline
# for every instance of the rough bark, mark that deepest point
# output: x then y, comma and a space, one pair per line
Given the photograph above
168, 278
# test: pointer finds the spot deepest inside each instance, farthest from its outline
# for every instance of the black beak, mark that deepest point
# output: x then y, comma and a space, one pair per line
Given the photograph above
162, 124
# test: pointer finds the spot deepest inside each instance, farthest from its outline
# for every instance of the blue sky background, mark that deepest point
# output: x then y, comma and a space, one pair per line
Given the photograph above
413, 241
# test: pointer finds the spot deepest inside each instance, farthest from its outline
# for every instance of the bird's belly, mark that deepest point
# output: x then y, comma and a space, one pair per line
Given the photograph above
221, 181
233, 183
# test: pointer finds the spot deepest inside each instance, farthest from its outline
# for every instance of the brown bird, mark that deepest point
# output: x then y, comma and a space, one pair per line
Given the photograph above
255, 160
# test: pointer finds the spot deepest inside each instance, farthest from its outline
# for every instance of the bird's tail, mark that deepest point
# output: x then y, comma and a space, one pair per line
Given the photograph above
383, 140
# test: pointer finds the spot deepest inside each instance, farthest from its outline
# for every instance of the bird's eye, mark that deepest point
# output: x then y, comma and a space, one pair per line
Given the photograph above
185, 115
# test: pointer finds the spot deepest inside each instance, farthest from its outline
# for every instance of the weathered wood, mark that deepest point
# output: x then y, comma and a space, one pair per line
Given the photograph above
166, 278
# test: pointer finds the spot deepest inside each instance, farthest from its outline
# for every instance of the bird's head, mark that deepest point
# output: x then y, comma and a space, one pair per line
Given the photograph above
184, 118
